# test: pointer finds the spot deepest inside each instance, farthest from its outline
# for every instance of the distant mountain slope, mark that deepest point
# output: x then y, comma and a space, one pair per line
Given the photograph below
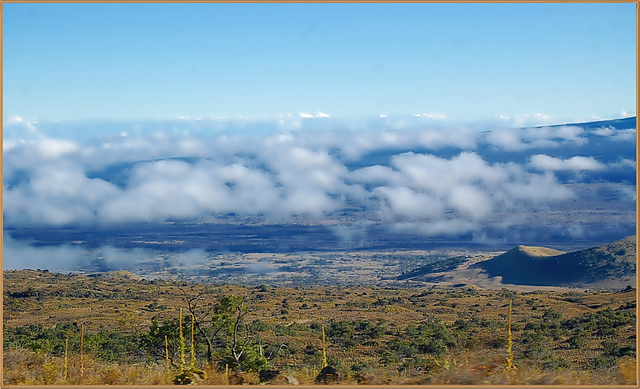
618, 124
608, 266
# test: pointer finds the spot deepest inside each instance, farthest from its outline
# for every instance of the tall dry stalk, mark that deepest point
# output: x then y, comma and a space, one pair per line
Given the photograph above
65, 371
182, 345
166, 353
324, 350
510, 364
82, 351
192, 351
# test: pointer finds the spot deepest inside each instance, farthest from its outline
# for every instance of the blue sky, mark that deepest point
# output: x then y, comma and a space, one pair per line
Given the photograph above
461, 62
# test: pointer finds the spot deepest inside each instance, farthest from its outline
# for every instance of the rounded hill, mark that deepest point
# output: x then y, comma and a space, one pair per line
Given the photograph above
608, 266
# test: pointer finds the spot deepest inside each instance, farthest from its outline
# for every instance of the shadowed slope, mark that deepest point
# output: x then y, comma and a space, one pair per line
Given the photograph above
608, 266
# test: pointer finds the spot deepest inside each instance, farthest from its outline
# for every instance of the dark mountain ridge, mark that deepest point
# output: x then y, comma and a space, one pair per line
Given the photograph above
608, 266
618, 124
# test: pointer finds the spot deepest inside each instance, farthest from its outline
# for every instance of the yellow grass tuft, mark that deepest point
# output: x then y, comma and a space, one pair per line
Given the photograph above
166, 353
510, 365
182, 343
627, 368
324, 350
192, 350
82, 351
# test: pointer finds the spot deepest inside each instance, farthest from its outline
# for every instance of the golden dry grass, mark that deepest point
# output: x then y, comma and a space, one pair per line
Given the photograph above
123, 304
540, 251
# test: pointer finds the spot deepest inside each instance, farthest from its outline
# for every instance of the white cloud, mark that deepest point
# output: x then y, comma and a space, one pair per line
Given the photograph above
461, 193
627, 192
70, 257
624, 164
577, 163
446, 227
439, 175
376, 175
21, 255
190, 172
405, 203
536, 189
517, 139
462, 138
524, 120
627, 135
192, 258
57, 193
604, 131
278, 178
307, 115
471, 202
430, 115
13, 119
48, 149
506, 139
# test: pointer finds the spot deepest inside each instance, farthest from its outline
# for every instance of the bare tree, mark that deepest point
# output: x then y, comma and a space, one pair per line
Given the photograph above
237, 349
209, 317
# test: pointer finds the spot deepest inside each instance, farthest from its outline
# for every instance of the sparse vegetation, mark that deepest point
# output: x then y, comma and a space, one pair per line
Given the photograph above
229, 334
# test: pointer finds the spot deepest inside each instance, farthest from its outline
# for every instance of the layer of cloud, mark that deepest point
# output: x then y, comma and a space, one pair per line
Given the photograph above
67, 257
21, 255
536, 137
617, 135
431, 180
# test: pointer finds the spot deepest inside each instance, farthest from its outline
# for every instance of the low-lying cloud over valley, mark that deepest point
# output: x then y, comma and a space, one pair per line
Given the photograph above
459, 183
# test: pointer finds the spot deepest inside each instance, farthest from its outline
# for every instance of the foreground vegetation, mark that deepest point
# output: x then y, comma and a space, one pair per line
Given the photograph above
117, 329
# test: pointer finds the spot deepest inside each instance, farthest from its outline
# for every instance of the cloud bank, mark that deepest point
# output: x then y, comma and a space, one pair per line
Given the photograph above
429, 181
